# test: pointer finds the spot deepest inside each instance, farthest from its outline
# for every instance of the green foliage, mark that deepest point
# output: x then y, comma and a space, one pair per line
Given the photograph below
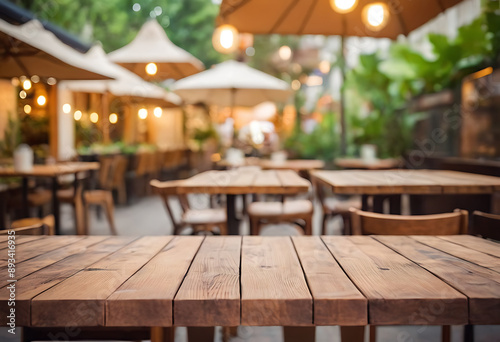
322, 143
12, 137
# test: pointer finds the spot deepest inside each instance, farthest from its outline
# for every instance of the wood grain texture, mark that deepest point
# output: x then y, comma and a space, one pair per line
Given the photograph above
35, 248
19, 240
210, 293
475, 257
479, 284
472, 242
273, 288
373, 182
33, 265
50, 170
399, 292
237, 182
80, 299
145, 299
38, 282
337, 301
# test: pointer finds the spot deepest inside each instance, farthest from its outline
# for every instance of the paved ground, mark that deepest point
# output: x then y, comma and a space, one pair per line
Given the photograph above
147, 216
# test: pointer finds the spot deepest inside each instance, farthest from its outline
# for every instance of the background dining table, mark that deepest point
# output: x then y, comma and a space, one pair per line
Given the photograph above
300, 281
241, 182
399, 182
52, 171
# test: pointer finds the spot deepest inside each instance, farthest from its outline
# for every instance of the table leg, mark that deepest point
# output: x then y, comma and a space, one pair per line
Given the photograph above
233, 225
378, 203
352, 334
395, 204
302, 334
200, 334
55, 206
364, 203
26, 207
160, 334
3, 210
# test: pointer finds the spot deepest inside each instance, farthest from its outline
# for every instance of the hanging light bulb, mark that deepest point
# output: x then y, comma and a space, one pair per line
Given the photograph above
151, 69
158, 112
41, 100
343, 6
27, 85
66, 108
113, 118
375, 16
143, 113
225, 39
285, 52
94, 117
77, 115
27, 109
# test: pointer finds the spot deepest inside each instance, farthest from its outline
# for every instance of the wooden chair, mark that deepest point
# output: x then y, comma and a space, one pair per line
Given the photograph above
33, 226
486, 225
366, 223
112, 175
294, 211
74, 197
200, 220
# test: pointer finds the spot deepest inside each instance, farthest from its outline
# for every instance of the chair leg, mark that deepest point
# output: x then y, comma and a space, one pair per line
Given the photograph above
223, 229
86, 211
122, 194
308, 225
445, 333
352, 333
325, 220
347, 224
160, 334
110, 213
79, 217
254, 226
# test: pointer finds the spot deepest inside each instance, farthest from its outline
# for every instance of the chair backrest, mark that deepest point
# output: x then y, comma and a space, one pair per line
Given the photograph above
167, 190
32, 226
367, 223
486, 225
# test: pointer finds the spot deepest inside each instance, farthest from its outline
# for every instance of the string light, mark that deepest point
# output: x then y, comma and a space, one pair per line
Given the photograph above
375, 16
27, 109
66, 108
41, 100
113, 118
225, 39
158, 112
343, 6
151, 69
77, 115
94, 117
143, 113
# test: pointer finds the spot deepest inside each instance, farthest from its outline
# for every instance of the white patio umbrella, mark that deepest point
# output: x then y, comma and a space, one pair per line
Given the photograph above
151, 45
232, 84
124, 84
30, 49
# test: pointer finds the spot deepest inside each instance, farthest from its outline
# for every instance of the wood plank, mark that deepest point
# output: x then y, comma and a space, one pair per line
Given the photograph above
35, 283
454, 182
399, 292
291, 179
479, 284
475, 243
35, 264
210, 293
38, 247
337, 301
476, 257
80, 299
273, 288
20, 239
145, 299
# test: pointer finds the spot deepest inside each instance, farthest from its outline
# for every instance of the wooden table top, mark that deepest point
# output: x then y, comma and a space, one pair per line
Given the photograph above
358, 163
253, 280
289, 164
245, 182
50, 170
372, 182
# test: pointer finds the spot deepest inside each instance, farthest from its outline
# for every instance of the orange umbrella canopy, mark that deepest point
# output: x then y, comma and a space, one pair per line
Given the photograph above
151, 45
317, 17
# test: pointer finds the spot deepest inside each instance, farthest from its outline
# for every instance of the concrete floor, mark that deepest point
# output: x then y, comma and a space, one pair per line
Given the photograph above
147, 216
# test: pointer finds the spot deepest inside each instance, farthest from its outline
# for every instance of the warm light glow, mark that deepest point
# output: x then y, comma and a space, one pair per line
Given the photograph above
481, 73
51, 81
285, 52
151, 69
158, 112
41, 100
324, 67
375, 16
27, 109
77, 115
113, 118
143, 113
35, 79
27, 85
343, 6
94, 117
66, 108
22, 94
295, 84
314, 80
225, 39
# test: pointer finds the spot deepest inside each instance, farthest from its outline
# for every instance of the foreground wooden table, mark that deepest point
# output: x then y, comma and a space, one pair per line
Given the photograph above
166, 281
241, 182
53, 172
398, 182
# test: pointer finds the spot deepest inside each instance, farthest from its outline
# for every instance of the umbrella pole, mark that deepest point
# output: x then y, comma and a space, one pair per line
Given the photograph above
343, 146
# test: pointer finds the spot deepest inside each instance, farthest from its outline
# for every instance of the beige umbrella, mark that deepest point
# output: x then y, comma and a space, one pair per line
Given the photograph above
30, 49
124, 84
151, 45
232, 84
318, 17
368, 18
